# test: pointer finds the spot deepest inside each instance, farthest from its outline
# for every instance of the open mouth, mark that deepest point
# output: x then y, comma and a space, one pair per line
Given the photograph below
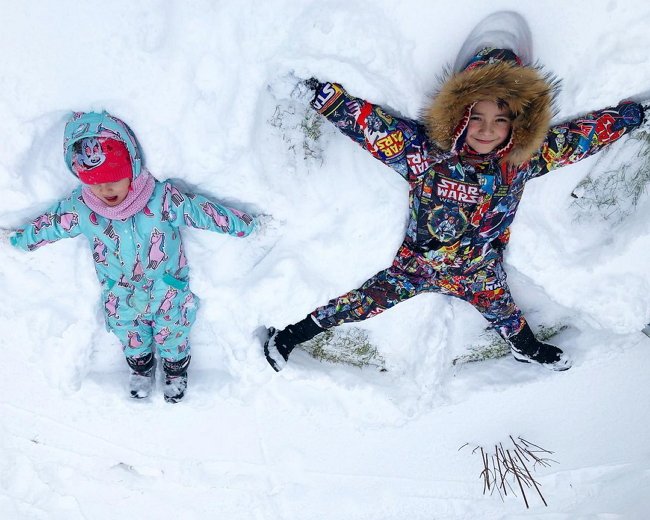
111, 199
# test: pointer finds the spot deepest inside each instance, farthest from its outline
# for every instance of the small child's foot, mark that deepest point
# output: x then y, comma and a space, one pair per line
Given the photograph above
276, 355
141, 383
549, 356
142, 375
175, 387
175, 379
527, 349
280, 343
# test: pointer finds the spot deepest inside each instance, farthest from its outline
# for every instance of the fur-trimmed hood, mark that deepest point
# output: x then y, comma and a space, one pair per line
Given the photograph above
494, 74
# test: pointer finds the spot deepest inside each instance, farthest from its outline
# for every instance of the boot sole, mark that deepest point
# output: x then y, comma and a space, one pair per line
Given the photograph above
174, 399
550, 366
275, 365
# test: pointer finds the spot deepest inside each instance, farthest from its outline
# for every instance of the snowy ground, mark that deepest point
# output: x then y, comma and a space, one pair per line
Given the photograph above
207, 89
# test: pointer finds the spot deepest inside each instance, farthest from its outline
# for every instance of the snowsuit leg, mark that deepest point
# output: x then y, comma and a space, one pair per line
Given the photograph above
171, 325
384, 290
486, 290
163, 319
136, 336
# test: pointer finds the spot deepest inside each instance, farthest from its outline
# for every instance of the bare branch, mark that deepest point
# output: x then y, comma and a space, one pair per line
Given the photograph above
507, 466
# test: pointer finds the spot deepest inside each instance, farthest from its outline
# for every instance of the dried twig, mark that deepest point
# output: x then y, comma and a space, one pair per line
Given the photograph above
517, 476
508, 467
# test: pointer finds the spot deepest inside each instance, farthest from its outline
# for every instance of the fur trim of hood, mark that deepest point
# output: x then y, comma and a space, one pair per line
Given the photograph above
529, 92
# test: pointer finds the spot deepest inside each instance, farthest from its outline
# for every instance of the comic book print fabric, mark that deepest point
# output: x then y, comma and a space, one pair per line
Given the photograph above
461, 207
485, 289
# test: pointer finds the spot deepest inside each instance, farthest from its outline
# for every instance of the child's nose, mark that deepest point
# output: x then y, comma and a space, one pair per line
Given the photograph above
487, 127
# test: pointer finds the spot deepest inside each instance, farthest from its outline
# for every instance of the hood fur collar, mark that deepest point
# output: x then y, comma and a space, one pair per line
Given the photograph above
528, 91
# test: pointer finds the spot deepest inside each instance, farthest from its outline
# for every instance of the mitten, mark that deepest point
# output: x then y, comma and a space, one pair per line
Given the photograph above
264, 224
4, 235
313, 84
646, 115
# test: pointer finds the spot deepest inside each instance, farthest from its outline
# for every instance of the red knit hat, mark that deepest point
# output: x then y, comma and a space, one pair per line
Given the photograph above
101, 160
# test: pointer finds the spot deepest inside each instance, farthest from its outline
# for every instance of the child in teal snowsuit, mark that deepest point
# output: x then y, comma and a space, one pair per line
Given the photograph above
132, 223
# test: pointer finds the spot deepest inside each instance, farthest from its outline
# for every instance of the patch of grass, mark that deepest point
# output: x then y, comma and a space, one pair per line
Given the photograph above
493, 346
614, 194
300, 128
350, 346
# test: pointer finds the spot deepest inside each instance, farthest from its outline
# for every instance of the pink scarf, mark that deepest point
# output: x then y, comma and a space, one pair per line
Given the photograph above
137, 198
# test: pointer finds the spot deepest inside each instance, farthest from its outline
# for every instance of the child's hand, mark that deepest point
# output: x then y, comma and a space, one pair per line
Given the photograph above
263, 223
642, 99
645, 121
306, 87
5, 234
313, 84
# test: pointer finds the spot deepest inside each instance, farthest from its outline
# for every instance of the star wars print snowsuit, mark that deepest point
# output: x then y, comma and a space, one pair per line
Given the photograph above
462, 203
139, 261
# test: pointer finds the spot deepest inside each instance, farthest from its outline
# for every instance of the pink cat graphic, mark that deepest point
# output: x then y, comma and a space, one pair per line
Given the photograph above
111, 305
188, 303
167, 301
219, 218
173, 195
244, 217
67, 220
138, 271
156, 249
42, 221
134, 339
162, 335
99, 251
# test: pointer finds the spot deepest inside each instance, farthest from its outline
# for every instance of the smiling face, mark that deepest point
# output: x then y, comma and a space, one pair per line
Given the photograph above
111, 193
489, 126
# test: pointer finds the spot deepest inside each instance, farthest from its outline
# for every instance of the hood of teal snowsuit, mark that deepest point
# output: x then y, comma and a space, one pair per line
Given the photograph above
99, 124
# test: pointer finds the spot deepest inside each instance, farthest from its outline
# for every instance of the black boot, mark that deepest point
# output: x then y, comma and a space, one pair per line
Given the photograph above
280, 343
175, 379
142, 375
526, 348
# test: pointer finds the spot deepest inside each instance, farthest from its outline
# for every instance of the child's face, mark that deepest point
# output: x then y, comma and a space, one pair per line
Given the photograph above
111, 193
489, 126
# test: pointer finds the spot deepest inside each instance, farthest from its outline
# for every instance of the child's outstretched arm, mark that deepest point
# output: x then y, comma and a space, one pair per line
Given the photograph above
202, 213
58, 222
570, 142
398, 142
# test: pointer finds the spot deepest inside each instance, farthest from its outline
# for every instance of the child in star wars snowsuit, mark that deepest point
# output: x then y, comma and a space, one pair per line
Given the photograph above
462, 199
136, 245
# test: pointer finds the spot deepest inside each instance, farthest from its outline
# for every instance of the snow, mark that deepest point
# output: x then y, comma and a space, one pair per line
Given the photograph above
200, 83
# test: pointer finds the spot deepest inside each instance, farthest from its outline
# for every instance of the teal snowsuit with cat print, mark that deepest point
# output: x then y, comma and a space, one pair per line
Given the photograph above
139, 261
